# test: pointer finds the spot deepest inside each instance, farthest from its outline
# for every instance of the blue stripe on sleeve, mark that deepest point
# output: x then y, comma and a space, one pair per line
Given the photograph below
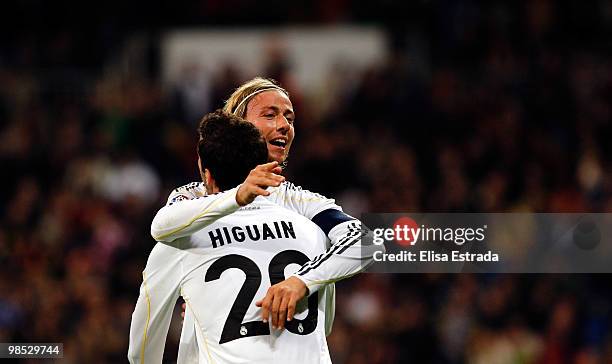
329, 218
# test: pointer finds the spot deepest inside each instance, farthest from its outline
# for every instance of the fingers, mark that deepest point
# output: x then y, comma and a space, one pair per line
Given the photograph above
258, 191
265, 179
275, 310
265, 306
281, 301
268, 166
275, 304
291, 307
274, 176
282, 312
260, 178
271, 170
255, 186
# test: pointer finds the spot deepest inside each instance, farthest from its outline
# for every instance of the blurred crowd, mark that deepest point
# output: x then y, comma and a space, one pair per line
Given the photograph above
480, 106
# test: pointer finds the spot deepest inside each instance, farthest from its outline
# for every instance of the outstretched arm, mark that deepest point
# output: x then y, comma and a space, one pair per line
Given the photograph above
188, 212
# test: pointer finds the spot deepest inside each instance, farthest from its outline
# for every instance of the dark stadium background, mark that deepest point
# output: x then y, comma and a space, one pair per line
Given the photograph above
510, 112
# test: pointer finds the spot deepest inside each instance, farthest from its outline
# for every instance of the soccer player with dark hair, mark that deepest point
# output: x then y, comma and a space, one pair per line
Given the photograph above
218, 150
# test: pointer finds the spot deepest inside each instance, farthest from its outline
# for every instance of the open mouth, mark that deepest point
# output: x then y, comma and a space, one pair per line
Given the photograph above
278, 142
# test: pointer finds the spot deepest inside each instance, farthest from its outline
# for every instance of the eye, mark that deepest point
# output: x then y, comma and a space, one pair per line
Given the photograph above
269, 115
290, 117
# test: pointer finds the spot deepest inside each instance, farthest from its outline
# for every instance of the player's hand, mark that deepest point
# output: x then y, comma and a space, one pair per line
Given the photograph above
280, 301
260, 178
183, 308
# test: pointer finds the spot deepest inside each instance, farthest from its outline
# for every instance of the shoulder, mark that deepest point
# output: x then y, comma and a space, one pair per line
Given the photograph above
290, 186
271, 210
191, 188
187, 192
291, 189
302, 201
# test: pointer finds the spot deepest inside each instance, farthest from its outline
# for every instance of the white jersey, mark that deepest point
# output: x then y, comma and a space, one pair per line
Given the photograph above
189, 210
226, 268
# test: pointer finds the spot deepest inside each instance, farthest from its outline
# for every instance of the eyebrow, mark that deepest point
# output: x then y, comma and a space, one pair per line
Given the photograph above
277, 109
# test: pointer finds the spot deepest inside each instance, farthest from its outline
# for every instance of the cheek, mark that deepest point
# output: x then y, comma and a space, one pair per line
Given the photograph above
291, 135
266, 127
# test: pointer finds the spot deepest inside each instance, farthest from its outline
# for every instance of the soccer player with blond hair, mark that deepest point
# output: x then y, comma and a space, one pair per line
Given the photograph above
190, 209
219, 269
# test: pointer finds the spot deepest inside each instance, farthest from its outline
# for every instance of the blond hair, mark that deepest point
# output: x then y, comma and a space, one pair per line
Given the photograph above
239, 99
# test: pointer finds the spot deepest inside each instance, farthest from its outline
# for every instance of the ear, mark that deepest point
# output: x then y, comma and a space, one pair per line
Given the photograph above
207, 177
211, 185
200, 169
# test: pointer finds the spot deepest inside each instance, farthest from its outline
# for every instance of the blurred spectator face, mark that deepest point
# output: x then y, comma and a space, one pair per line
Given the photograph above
272, 113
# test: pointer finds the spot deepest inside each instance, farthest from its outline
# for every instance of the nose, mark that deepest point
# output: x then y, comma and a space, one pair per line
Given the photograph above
282, 124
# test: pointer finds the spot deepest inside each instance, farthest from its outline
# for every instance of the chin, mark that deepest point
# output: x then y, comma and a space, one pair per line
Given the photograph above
278, 158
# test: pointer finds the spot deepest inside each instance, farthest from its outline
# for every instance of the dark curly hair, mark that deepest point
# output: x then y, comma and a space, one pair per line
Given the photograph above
229, 147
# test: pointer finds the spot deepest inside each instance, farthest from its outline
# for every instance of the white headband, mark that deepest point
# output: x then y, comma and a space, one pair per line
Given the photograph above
255, 93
